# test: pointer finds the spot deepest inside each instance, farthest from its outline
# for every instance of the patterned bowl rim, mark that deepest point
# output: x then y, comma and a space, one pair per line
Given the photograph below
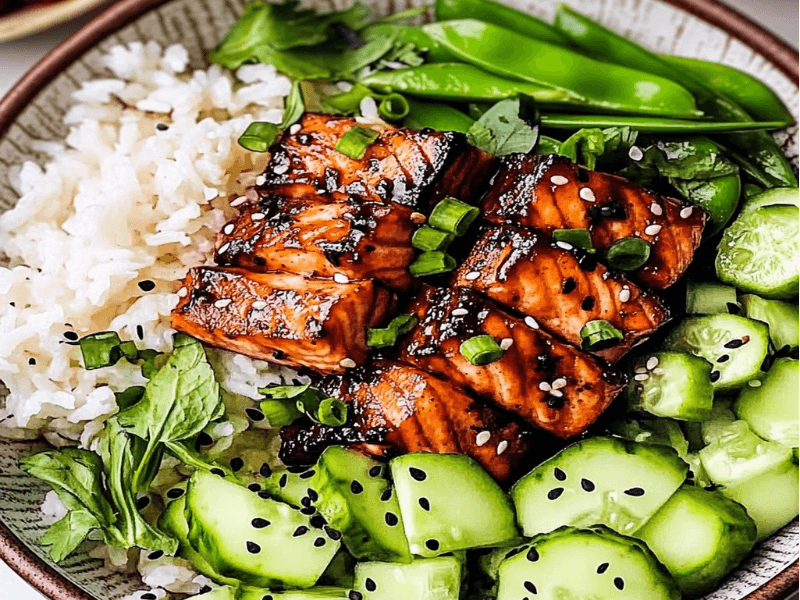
14, 552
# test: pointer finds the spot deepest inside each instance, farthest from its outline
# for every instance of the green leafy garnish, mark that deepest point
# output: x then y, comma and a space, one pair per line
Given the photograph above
586, 146
287, 403
294, 106
509, 126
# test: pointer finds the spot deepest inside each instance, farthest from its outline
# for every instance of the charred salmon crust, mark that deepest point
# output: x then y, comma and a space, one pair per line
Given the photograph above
559, 289
285, 319
548, 383
551, 192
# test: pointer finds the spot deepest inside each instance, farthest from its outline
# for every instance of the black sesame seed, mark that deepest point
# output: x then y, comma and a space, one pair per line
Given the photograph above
559, 474
619, 583
140, 332
432, 545
253, 548
724, 358
715, 375
356, 487
305, 501
569, 286
160, 127
296, 470
320, 542
634, 491
555, 493
308, 510
354, 595
602, 568
155, 555
259, 523
391, 519
530, 587
218, 472
532, 555
265, 470
264, 495
148, 596
204, 439
418, 474
425, 504
312, 494
302, 530
308, 474
733, 344
146, 285
317, 521
71, 336
175, 493
334, 534
254, 414
587, 485
370, 585
31, 361
237, 464
375, 471
268, 597
283, 480
386, 495
144, 502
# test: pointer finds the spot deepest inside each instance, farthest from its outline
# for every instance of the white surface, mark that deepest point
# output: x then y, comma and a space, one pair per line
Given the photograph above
780, 16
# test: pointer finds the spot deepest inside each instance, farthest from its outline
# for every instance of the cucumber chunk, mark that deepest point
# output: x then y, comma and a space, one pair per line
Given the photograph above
289, 486
719, 422
450, 503
734, 345
758, 252
783, 319
423, 579
259, 541
602, 480
700, 537
220, 593
672, 384
585, 563
771, 499
315, 593
771, 197
771, 409
340, 571
707, 298
357, 500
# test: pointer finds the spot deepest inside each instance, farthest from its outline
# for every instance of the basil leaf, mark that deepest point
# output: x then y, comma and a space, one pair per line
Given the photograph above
507, 127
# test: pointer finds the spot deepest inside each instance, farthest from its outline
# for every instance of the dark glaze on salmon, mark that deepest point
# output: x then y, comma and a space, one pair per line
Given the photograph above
546, 382
396, 408
560, 289
412, 168
314, 236
551, 192
285, 319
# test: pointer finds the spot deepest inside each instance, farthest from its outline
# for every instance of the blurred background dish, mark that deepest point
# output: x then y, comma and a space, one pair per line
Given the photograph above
20, 18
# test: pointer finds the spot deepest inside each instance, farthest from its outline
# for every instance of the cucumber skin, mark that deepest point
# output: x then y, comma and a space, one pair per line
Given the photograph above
776, 390
447, 585
771, 197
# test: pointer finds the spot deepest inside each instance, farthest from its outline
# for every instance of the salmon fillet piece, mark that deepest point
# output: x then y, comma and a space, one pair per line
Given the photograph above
551, 192
561, 289
285, 319
397, 409
548, 383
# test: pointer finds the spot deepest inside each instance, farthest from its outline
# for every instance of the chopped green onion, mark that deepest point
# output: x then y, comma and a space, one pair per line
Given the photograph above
100, 349
394, 107
628, 254
129, 350
332, 412
481, 350
599, 335
575, 237
151, 362
453, 215
355, 141
403, 324
179, 340
430, 239
432, 263
381, 338
706, 298
279, 413
258, 136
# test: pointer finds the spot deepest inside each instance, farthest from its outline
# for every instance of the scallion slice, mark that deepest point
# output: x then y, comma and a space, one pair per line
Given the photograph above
599, 335
355, 141
100, 349
453, 215
258, 136
332, 412
402, 324
381, 337
430, 239
481, 350
432, 263
129, 350
394, 107
628, 254
574, 237
279, 413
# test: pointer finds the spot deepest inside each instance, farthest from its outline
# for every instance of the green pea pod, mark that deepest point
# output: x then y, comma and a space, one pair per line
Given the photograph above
463, 83
650, 124
748, 92
604, 43
610, 88
499, 14
435, 115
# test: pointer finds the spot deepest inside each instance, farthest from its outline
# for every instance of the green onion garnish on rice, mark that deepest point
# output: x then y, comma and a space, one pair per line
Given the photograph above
258, 136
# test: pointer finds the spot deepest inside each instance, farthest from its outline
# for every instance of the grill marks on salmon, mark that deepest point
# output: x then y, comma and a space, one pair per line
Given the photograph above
549, 384
286, 319
550, 192
412, 168
322, 237
397, 408
560, 289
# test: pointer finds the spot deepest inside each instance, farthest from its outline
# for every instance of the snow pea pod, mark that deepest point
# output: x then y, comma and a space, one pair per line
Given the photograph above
595, 39
748, 92
607, 87
436, 115
650, 124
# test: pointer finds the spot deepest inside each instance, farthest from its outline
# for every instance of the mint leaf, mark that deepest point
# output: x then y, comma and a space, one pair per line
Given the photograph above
507, 127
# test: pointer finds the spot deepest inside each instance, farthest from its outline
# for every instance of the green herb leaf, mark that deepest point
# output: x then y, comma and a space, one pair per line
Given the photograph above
279, 413
588, 145
64, 536
509, 126
287, 403
294, 107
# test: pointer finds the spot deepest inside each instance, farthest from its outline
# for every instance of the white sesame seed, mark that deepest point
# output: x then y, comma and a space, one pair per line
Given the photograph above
502, 447
261, 180
641, 377
183, 292
280, 169
224, 248
228, 229
222, 302
341, 278
651, 391
259, 216
295, 128
564, 245
238, 201
636, 153
559, 383
686, 212
559, 180
460, 312
652, 363
754, 383
483, 437
418, 218
531, 322
587, 194
624, 295
506, 343
472, 276
544, 386
652, 229
659, 371
557, 393
258, 305
347, 363
640, 370
656, 209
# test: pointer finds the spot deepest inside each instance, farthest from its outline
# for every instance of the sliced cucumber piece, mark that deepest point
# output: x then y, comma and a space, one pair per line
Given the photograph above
672, 384
783, 319
585, 563
719, 422
735, 346
771, 499
423, 579
707, 298
357, 500
248, 453
340, 572
259, 541
220, 593
289, 486
315, 593
771, 409
601, 480
449, 503
700, 537
758, 252
771, 197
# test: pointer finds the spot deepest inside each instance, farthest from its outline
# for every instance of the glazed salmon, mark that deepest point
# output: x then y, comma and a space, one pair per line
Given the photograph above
412, 168
285, 319
560, 289
320, 237
551, 192
397, 408
551, 385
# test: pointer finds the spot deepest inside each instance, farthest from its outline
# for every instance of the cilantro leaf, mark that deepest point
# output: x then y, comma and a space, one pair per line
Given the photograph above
507, 127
